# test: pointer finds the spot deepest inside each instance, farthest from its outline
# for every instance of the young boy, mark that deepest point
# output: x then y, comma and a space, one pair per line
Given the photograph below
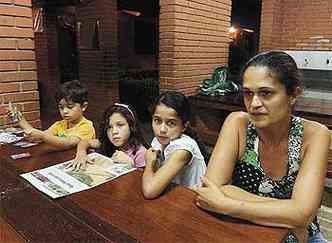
72, 100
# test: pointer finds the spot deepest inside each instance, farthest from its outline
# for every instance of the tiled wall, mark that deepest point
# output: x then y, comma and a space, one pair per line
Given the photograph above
18, 78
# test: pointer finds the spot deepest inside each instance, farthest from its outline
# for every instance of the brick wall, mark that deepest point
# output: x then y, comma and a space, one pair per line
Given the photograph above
193, 41
296, 25
47, 63
18, 78
99, 68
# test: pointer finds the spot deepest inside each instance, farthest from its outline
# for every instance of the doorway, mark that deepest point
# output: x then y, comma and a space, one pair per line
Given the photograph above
67, 44
138, 32
245, 22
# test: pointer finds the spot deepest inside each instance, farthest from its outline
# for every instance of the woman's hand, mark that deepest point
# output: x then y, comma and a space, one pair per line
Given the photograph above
121, 157
210, 197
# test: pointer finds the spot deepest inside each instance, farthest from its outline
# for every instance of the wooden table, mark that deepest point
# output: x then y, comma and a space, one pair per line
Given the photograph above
112, 212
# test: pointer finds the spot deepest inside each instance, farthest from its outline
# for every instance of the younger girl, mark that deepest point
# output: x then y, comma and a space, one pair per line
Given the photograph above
174, 156
120, 138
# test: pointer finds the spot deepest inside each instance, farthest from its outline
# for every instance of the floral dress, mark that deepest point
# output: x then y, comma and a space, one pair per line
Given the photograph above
249, 175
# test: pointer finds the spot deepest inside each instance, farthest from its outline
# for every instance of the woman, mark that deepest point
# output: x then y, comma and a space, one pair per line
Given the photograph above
275, 162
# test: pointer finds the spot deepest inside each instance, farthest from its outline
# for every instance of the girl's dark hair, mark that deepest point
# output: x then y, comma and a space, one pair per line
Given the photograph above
72, 91
180, 103
281, 66
135, 139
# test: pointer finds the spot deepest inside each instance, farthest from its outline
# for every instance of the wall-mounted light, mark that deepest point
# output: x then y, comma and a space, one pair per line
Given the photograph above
232, 29
233, 33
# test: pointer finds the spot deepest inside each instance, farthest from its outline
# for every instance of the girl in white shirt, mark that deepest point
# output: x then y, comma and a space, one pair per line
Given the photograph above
175, 157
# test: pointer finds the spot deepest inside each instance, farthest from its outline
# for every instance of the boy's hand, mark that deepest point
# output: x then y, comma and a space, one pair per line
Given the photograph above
13, 113
80, 162
122, 157
17, 117
33, 135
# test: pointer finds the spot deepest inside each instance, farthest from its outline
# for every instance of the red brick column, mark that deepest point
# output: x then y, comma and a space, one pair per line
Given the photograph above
98, 68
18, 79
46, 43
271, 24
193, 41
296, 25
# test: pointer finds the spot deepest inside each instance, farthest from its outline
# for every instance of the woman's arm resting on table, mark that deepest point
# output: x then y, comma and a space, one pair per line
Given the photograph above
155, 181
292, 213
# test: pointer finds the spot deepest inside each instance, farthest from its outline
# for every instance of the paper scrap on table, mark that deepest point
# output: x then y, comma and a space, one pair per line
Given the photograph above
20, 156
24, 144
6, 137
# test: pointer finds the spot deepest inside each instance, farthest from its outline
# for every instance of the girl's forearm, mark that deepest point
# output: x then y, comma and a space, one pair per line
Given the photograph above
148, 183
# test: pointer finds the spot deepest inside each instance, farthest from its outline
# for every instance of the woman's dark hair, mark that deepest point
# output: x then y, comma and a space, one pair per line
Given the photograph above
135, 139
72, 91
281, 66
180, 103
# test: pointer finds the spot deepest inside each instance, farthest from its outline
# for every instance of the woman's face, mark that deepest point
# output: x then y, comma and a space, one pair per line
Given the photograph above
118, 131
265, 97
166, 124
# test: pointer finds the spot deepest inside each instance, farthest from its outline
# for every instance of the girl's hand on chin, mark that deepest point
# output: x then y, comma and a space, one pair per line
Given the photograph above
151, 156
121, 157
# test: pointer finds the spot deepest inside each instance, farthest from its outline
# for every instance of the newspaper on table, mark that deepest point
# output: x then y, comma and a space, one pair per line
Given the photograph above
58, 180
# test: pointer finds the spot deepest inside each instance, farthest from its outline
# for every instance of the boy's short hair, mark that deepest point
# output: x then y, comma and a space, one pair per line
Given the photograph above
72, 91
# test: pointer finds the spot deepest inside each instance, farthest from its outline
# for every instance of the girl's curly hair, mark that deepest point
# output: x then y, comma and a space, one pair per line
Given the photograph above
135, 139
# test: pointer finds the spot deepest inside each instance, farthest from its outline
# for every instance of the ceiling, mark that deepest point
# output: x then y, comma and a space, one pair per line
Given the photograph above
54, 3
147, 8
